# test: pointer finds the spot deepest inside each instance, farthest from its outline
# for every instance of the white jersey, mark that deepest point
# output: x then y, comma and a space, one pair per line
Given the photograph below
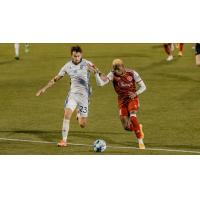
79, 75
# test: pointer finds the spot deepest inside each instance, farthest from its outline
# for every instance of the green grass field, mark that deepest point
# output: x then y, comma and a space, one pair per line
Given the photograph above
169, 108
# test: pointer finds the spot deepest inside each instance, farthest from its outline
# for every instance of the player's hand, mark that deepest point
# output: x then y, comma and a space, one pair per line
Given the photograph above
40, 92
92, 68
132, 95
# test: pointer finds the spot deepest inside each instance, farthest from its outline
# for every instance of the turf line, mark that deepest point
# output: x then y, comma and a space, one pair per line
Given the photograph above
108, 146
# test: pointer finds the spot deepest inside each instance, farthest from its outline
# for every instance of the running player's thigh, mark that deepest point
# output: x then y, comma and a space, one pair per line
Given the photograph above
68, 113
123, 114
133, 106
83, 106
70, 106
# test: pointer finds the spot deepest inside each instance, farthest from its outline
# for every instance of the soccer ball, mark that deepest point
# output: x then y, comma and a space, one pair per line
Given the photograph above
99, 145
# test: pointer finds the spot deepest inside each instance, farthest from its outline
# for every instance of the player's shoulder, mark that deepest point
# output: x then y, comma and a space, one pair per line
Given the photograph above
85, 62
68, 64
132, 71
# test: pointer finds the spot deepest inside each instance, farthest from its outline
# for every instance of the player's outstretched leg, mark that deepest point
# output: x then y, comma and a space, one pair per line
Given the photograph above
138, 131
131, 124
65, 127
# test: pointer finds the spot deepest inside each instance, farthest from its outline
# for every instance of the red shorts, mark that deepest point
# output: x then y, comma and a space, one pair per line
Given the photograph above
126, 107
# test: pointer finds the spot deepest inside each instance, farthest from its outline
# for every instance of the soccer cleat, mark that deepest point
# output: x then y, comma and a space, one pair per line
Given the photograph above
62, 143
140, 141
16, 57
180, 53
141, 146
169, 58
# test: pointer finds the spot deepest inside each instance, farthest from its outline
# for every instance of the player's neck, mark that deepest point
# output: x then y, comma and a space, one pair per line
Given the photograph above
77, 63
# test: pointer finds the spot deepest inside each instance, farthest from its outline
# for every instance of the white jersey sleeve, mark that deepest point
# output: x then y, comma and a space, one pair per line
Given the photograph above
137, 77
89, 62
110, 76
63, 70
139, 81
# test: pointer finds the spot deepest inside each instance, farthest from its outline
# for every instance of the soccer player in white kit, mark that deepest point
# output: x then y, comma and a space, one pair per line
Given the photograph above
17, 47
78, 69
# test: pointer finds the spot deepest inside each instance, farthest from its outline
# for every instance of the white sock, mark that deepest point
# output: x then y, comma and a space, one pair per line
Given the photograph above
16, 45
140, 141
26, 47
65, 129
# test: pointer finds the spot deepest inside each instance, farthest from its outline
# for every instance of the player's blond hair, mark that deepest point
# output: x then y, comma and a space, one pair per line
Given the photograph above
117, 62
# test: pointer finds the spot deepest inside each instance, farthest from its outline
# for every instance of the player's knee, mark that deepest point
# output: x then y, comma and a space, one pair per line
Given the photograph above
68, 114
133, 114
82, 124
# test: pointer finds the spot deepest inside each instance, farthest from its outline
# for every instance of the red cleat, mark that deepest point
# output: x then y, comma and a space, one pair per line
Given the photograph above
62, 143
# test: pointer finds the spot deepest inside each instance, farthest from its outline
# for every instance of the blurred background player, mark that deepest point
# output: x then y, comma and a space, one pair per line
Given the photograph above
197, 54
169, 48
179, 46
125, 82
78, 70
17, 48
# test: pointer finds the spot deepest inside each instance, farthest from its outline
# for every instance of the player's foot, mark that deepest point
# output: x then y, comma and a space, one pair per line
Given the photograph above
62, 143
169, 58
140, 141
141, 146
180, 53
16, 57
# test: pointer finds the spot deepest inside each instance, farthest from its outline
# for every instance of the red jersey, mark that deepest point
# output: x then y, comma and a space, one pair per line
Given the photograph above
125, 84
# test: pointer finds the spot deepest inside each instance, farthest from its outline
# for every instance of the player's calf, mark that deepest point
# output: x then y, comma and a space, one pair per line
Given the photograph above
82, 122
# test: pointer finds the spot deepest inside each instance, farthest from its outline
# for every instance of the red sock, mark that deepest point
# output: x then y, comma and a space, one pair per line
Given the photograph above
167, 48
136, 127
181, 46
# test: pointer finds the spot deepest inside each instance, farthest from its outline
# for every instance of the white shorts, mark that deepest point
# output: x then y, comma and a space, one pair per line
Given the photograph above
78, 101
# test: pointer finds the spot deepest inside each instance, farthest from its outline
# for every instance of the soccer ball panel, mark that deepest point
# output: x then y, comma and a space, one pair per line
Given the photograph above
99, 145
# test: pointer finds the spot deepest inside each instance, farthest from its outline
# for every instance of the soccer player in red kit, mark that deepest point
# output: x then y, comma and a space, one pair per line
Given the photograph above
125, 82
169, 48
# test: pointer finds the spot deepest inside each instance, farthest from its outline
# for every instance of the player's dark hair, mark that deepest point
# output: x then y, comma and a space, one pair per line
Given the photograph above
76, 49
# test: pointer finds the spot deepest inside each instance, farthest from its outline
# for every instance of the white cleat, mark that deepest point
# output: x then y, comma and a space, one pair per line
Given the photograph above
180, 53
169, 58
141, 146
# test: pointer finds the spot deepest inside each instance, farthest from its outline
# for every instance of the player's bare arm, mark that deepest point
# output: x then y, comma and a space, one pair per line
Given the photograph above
101, 78
92, 68
49, 84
